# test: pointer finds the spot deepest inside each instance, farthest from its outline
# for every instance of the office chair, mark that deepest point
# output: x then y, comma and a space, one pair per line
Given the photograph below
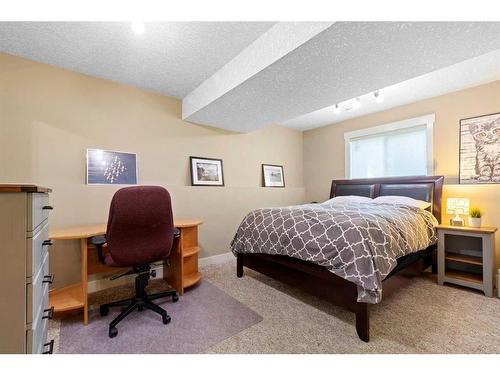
140, 231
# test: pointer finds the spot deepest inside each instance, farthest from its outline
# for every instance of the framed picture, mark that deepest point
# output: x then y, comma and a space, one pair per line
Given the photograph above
206, 171
273, 175
111, 167
480, 150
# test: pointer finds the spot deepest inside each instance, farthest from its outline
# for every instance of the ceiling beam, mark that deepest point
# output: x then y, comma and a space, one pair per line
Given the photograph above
275, 43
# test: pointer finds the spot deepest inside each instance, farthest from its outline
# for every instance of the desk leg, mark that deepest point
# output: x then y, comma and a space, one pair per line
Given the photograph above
83, 250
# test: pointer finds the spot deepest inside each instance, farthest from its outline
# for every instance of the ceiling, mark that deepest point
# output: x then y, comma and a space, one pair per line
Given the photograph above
245, 75
343, 61
469, 73
170, 58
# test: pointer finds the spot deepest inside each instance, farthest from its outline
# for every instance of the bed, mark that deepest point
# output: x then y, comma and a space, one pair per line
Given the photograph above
380, 268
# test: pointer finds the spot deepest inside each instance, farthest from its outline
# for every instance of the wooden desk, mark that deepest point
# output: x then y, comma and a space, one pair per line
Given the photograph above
182, 272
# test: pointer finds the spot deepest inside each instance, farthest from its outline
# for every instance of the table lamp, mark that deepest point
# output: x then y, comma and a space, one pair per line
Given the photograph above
457, 207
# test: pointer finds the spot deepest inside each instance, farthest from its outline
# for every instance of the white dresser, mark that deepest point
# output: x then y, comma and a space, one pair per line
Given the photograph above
24, 269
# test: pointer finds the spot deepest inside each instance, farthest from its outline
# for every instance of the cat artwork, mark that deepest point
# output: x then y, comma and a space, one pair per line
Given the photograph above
487, 138
480, 150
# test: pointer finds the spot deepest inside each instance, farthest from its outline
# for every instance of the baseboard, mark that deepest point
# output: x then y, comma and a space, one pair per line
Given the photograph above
105, 283
216, 259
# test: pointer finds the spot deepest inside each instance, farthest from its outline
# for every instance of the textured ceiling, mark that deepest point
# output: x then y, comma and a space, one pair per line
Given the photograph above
473, 72
273, 45
244, 75
171, 58
346, 60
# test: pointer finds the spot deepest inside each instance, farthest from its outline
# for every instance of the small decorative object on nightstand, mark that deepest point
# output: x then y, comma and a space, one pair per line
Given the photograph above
466, 256
475, 217
457, 207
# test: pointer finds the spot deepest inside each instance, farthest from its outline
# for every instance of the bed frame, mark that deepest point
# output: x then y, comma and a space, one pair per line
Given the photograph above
319, 281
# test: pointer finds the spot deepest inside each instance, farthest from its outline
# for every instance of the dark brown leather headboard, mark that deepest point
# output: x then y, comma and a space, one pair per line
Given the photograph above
424, 188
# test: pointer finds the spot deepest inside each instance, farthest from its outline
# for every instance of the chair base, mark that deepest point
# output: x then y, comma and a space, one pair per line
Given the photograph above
139, 302
132, 304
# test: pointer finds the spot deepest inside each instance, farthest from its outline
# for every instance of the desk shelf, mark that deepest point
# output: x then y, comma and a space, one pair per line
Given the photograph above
191, 279
183, 270
67, 298
190, 251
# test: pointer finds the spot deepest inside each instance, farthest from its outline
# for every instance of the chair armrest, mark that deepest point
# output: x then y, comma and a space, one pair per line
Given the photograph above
99, 242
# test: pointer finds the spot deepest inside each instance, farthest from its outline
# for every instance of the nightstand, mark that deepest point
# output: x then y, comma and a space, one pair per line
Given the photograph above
466, 257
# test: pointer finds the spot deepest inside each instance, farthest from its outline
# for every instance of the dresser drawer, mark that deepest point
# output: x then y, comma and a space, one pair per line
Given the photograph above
37, 296
36, 337
36, 249
38, 210
37, 310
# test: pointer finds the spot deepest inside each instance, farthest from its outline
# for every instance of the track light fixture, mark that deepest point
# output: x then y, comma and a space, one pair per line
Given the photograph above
379, 98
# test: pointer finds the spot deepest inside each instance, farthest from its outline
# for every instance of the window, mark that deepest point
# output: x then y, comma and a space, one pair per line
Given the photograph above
401, 148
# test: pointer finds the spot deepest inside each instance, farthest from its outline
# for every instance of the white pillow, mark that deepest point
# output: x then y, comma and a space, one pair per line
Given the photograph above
350, 199
396, 199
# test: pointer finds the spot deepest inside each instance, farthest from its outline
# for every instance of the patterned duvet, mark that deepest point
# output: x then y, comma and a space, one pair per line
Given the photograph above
359, 242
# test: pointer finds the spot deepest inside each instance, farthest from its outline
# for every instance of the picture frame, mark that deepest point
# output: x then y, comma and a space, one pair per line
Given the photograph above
479, 147
206, 171
108, 167
273, 176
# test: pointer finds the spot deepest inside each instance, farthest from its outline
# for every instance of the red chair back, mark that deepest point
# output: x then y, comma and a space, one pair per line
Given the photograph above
140, 226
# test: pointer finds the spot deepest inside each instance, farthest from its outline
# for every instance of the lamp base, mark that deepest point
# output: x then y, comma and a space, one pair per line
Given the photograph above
457, 222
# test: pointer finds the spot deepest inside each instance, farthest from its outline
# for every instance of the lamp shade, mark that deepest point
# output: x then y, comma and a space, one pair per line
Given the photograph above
457, 205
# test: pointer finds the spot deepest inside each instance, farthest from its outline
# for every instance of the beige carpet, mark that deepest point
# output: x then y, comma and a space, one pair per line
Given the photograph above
424, 317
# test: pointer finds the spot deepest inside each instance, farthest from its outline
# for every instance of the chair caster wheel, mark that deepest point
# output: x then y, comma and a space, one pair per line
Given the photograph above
175, 298
103, 310
166, 319
140, 308
113, 332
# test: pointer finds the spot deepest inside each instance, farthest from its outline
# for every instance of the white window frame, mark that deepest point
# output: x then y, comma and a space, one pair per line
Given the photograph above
427, 120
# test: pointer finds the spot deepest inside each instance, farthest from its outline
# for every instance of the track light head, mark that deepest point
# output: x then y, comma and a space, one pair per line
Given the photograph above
379, 98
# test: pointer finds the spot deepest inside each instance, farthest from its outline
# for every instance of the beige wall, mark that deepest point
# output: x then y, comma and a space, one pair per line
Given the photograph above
49, 116
324, 147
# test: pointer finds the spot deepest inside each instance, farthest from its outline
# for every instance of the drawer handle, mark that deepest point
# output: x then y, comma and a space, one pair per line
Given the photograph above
50, 313
47, 208
50, 344
47, 243
48, 279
